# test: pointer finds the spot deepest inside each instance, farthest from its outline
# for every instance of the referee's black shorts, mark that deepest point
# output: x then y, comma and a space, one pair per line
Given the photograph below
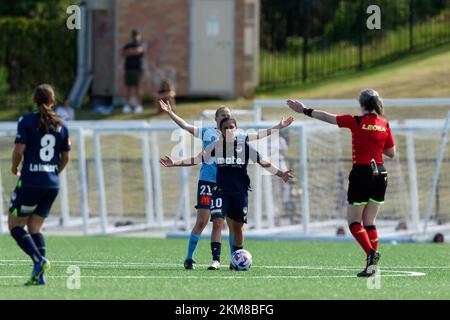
365, 187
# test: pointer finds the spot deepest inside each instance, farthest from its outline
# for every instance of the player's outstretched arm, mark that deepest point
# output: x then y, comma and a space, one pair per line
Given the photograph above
168, 162
267, 132
299, 107
65, 157
178, 120
285, 175
207, 155
17, 156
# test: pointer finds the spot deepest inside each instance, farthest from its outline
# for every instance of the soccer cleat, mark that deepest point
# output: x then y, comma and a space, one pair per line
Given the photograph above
189, 264
373, 258
38, 272
214, 265
31, 282
372, 262
232, 267
364, 273
41, 281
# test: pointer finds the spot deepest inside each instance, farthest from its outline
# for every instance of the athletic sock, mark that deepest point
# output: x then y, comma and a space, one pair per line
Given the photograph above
26, 243
230, 242
361, 236
193, 241
236, 248
216, 248
39, 240
373, 236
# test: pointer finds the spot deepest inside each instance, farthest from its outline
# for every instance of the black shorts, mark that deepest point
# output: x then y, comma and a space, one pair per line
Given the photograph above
132, 77
234, 206
27, 201
204, 192
365, 187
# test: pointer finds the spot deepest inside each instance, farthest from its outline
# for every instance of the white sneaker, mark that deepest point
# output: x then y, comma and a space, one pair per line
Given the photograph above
138, 109
214, 265
126, 109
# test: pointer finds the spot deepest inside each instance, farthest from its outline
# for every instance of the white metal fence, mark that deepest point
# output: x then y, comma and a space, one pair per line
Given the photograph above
115, 183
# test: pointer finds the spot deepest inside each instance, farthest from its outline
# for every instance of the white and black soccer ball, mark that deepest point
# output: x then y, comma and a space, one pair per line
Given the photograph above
241, 260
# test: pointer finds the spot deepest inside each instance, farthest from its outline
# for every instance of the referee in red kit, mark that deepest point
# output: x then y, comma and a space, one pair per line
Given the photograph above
371, 138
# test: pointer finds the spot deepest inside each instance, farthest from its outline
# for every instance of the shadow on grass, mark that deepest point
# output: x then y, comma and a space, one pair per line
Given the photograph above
16, 285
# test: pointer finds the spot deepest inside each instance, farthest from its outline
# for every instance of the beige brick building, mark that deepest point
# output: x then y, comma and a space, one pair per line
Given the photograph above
206, 47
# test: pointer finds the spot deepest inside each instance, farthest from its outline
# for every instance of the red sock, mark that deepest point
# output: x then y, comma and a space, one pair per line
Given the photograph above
361, 236
373, 236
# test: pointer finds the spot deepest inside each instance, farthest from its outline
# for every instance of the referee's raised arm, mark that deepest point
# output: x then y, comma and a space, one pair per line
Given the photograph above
299, 107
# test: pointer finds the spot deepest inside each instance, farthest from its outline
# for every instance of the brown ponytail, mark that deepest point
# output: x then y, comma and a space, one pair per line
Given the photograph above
43, 96
371, 101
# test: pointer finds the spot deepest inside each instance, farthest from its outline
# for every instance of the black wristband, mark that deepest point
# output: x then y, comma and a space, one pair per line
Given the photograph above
308, 112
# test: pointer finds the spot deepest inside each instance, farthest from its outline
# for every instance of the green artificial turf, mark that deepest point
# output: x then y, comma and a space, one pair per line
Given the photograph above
140, 268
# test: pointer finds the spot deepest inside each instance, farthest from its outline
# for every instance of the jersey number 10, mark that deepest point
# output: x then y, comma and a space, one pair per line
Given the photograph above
47, 151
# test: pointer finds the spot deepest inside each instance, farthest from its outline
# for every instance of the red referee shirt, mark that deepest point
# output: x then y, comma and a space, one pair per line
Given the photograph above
371, 135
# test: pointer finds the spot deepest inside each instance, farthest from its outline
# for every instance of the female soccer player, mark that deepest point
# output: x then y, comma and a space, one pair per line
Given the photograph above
42, 142
371, 138
207, 182
231, 155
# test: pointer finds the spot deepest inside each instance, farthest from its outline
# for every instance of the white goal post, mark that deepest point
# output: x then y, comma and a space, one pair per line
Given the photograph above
437, 171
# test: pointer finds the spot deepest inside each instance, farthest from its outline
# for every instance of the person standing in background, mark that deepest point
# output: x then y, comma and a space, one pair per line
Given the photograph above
166, 93
133, 52
65, 112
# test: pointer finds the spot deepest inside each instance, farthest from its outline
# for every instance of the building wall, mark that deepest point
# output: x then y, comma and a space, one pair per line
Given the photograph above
238, 46
164, 25
103, 57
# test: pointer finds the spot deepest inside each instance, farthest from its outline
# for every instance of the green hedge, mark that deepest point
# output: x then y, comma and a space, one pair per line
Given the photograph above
37, 51
3, 82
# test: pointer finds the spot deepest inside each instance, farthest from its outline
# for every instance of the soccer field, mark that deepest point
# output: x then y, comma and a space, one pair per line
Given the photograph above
139, 268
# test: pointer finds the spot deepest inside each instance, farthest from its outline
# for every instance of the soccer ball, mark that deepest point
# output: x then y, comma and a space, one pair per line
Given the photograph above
241, 260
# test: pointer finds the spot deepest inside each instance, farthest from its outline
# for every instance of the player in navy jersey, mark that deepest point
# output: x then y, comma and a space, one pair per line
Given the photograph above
207, 182
42, 142
371, 138
230, 197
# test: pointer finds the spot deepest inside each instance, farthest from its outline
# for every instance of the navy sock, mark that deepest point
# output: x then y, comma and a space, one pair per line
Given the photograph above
236, 248
39, 240
26, 243
216, 248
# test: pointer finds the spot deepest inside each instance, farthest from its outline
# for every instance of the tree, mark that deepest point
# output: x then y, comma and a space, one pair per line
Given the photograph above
42, 9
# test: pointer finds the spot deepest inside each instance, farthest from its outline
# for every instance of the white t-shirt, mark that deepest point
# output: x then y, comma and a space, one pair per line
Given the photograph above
65, 114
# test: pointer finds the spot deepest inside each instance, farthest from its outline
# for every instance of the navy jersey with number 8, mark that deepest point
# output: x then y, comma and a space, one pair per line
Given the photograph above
42, 153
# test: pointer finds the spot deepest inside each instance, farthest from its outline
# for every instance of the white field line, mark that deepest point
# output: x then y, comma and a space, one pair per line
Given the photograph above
406, 274
103, 264
115, 264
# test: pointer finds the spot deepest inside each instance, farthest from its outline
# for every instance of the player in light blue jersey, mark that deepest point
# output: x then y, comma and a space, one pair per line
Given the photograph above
207, 182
